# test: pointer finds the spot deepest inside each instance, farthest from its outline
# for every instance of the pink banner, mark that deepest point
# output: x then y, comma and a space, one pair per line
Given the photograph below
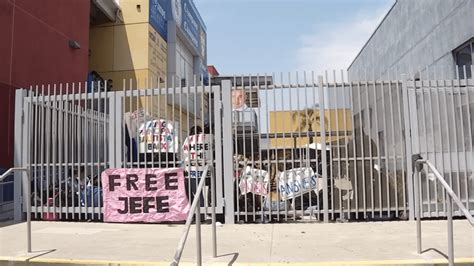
144, 195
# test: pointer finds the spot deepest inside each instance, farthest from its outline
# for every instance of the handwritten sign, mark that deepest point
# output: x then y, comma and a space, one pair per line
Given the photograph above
197, 152
254, 181
198, 148
144, 195
295, 182
158, 136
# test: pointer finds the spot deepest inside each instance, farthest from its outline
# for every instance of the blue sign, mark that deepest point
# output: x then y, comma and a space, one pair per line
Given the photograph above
190, 24
186, 16
158, 17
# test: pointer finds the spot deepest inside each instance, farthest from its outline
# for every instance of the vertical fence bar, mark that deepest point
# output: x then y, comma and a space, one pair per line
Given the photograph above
47, 150
403, 144
346, 141
441, 139
425, 129
394, 147
68, 162
331, 175
369, 146
470, 133
26, 175
42, 159
77, 147
285, 177
309, 138
456, 129
60, 126
323, 149
275, 151
386, 160
54, 125
361, 119
338, 142
252, 148
377, 146
35, 153
354, 144
329, 140
235, 160
297, 151
448, 131
259, 141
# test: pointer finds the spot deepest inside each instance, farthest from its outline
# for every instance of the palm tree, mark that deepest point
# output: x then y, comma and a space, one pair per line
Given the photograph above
305, 120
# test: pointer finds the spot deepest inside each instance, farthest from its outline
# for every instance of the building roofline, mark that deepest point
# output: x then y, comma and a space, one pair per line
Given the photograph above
371, 36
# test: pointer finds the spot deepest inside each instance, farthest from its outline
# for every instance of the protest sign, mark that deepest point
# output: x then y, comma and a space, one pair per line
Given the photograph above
197, 152
295, 182
144, 195
158, 136
254, 181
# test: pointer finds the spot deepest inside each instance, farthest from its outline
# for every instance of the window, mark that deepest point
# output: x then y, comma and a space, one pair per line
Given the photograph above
463, 56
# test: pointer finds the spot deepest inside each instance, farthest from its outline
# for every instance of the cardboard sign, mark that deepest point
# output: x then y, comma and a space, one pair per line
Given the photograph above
295, 182
158, 136
144, 195
198, 148
254, 181
197, 152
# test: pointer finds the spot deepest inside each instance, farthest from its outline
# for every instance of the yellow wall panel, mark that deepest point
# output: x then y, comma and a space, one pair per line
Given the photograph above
101, 44
135, 11
131, 47
157, 53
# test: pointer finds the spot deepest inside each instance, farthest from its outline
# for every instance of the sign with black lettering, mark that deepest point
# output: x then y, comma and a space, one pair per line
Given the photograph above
197, 152
144, 195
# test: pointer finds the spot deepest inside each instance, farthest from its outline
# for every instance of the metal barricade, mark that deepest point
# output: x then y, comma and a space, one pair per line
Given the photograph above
26, 199
195, 212
450, 195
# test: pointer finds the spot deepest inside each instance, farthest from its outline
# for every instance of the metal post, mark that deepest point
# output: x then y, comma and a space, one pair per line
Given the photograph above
408, 145
26, 196
417, 211
213, 210
450, 230
18, 151
227, 151
26, 190
198, 228
194, 208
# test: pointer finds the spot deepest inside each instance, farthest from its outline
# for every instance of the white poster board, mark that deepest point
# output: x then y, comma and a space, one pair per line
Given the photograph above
295, 182
158, 136
197, 152
254, 181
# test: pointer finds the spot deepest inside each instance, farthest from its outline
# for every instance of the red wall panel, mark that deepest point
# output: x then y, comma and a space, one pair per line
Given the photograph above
35, 50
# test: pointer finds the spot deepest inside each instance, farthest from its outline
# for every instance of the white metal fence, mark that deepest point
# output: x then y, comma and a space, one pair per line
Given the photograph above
285, 148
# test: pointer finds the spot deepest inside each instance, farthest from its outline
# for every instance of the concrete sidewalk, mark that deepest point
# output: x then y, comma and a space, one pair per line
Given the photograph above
260, 244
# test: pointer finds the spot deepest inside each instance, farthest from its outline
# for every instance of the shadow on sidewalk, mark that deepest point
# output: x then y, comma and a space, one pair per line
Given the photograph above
435, 250
234, 255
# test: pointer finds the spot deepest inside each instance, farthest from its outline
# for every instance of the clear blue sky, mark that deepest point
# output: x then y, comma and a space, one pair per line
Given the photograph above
257, 36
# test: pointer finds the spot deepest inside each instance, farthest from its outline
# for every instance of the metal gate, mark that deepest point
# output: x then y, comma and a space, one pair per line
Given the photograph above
69, 133
285, 148
441, 121
317, 148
